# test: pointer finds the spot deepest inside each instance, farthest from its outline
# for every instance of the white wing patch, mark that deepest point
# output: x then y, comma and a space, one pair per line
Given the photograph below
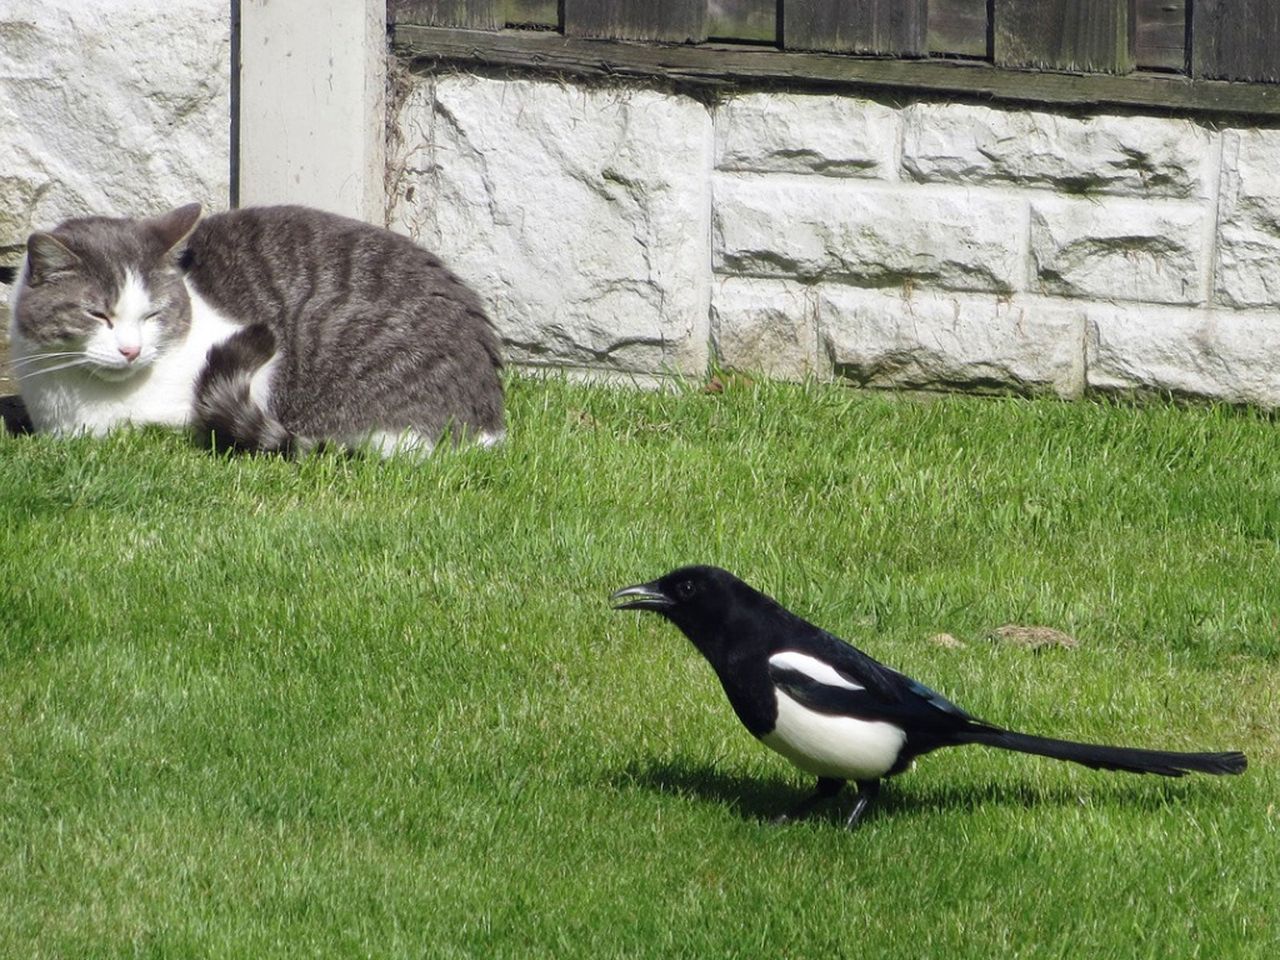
813, 668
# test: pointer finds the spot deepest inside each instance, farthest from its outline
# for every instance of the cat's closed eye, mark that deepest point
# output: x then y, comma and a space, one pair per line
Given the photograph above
99, 316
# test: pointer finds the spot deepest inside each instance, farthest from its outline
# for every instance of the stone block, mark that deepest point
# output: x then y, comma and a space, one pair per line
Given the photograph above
766, 326
579, 213
113, 109
794, 133
936, 340
1226, 354
1123, 249
1247, 267
1135, 155
871, 234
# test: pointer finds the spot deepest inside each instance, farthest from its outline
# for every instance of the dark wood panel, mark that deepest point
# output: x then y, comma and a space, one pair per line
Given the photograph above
1080, 35
715, 66
1160, 34
540, 13
674, 21
473, 14
958, 27
1236, 39
743, 20
856, 26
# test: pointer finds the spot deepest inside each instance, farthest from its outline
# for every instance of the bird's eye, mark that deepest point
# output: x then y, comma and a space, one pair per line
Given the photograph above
686, 589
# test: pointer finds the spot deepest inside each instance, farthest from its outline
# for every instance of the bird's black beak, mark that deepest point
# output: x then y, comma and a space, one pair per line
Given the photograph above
643, 596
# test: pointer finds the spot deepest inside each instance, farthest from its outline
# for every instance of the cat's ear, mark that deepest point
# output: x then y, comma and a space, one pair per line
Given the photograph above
47, 256
172, 228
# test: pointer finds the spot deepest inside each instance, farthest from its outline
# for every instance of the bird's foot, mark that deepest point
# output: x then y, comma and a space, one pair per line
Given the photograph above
868, 790
826, 789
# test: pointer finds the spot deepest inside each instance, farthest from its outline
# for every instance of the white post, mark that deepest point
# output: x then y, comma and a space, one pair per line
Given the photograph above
312, 105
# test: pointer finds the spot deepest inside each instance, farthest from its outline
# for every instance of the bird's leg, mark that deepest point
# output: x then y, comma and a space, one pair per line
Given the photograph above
827, 788
868, 790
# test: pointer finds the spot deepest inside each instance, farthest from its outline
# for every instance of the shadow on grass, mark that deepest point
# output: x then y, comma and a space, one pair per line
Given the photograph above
749, 797
763, 799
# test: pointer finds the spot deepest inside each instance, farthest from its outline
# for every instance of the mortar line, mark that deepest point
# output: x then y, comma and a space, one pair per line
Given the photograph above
1213, 220
879, 184
1028, 265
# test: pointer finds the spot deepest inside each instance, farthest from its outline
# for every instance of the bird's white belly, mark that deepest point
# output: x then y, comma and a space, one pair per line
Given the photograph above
833, 746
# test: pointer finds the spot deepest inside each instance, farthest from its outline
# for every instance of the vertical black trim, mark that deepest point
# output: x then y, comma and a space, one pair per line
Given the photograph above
234, 171
1133, 35
991, 30
1189, 12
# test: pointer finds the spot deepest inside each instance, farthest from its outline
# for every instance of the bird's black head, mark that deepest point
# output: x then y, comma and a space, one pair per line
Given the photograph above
701, 601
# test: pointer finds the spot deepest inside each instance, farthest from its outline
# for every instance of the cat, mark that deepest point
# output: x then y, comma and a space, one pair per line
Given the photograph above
273, 329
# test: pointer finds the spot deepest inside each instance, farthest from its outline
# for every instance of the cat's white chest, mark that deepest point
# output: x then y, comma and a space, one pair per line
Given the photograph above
73, 400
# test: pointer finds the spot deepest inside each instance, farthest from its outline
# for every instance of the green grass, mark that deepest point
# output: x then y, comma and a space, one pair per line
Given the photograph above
341, 707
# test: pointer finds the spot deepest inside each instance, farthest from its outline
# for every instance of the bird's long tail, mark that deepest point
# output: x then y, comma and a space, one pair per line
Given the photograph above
1166, 763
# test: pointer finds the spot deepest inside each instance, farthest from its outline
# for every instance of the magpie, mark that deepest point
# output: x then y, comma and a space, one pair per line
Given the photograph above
835, 712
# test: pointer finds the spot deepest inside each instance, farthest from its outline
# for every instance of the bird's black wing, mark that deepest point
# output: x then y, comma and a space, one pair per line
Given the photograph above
923, 711
883, 693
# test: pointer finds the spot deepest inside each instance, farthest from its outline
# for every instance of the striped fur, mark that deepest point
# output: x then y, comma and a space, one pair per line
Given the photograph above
228, 415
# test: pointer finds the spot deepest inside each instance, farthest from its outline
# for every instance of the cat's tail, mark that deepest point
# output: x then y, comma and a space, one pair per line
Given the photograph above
227, 413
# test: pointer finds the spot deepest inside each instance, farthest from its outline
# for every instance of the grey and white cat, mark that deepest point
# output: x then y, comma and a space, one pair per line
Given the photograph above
269, 328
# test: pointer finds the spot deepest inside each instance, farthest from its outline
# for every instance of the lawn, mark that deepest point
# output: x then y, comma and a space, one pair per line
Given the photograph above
342, 707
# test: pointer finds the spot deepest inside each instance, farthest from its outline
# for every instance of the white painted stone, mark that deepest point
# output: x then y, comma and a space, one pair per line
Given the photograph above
792, 133
1141, 156
936, 340
874, 234
579, 213
584, 214
313, 105
1112, 248
766, 326
1225, 354
1247, 269
118, 108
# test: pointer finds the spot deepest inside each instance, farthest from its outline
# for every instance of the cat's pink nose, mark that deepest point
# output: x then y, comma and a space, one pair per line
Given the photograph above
130, 353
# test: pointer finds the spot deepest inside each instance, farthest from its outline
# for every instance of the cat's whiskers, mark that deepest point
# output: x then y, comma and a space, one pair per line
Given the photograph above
51, 355
80, 362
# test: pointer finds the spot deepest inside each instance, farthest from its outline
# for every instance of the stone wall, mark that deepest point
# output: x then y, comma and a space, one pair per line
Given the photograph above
916, 244
118, 108
582, 215
622, 229
111, 109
